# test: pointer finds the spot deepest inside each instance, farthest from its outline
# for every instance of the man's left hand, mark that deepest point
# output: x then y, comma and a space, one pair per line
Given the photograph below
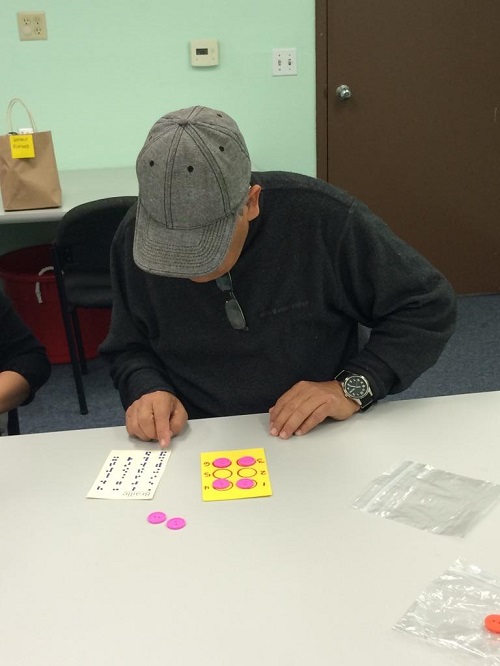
306, 404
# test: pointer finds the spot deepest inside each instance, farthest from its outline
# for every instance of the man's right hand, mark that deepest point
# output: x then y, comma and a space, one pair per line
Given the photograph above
159, 415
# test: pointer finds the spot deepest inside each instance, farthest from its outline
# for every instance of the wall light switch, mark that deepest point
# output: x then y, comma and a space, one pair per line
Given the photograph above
204, 52
285, 62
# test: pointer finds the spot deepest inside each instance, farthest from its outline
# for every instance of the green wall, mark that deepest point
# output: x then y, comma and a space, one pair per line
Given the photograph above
109, 69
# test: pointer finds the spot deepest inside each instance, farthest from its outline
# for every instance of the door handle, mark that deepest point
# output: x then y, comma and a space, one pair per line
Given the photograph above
343, 92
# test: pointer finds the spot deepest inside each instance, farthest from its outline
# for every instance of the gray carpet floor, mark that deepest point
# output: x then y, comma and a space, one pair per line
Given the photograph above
469, 364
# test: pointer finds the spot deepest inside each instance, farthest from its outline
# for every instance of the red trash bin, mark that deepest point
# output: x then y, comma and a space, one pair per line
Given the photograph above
30, 284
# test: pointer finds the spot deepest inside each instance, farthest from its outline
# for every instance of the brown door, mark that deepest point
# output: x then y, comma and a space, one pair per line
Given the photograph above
419, 138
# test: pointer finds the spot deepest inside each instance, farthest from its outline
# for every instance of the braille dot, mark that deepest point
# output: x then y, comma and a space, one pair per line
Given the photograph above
221, 484
222, 473
246, 484
221, 148
152, 163
221, 463
190, 169
246, 461
247, 472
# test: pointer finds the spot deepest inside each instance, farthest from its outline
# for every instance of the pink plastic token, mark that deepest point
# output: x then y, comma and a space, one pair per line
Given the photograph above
157, 517
176, 523
246, 461
221, 462
221, 484
246, 484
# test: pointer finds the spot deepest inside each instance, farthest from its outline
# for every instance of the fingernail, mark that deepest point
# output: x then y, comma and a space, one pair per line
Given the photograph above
283, 434
274, 432
298, 433
163, 443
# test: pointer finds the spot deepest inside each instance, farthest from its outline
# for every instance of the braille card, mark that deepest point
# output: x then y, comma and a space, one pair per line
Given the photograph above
130, 475
238, 474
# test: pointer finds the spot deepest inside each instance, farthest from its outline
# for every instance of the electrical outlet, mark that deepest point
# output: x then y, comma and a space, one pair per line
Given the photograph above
285, 62
32, 25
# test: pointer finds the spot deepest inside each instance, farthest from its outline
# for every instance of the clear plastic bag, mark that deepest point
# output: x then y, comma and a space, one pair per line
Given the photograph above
451, 612
428, 498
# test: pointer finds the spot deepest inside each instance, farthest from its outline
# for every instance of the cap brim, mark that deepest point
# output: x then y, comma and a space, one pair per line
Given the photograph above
180, 253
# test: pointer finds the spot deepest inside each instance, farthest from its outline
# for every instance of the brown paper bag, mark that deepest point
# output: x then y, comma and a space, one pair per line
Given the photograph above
29, 182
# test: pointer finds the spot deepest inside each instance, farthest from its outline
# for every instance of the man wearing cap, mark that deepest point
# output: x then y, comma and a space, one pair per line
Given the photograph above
239, 292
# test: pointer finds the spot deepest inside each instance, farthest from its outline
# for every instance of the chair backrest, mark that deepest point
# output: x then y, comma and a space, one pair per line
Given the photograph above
84, 236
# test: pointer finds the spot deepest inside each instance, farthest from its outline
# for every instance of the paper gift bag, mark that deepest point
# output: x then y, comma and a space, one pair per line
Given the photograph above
28, 169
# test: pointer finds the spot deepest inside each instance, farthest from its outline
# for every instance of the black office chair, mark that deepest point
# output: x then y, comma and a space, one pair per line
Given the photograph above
13, 422
81, 258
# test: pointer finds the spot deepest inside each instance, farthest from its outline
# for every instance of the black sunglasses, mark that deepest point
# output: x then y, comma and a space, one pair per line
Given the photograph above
233, 309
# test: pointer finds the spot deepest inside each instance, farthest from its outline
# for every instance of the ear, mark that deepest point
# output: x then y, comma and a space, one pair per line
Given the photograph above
253, 202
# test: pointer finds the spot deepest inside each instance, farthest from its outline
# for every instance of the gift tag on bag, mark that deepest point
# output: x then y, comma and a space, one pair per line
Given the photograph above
28, 170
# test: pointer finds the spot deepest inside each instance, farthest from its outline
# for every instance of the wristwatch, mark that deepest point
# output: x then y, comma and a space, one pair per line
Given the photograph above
356, 387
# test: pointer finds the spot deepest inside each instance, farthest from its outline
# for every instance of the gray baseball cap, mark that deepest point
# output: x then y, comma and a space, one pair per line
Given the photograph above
194, 174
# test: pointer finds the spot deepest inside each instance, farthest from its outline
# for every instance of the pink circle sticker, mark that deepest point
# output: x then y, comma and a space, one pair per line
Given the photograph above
246, 484
157, 517
176, 523
221, 484
246, 461
221, 462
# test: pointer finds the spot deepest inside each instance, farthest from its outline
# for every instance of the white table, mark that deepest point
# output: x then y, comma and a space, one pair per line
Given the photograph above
299, 578
79, 186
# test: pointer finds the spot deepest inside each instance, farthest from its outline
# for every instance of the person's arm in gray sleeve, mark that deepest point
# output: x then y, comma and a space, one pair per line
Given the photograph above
134, 367
24, 365
389, 287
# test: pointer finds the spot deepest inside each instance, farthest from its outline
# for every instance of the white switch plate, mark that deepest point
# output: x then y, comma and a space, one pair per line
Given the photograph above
31, 25
285, 62
204, 52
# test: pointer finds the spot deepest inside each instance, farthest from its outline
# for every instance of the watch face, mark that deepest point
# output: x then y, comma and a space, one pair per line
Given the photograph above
356, 386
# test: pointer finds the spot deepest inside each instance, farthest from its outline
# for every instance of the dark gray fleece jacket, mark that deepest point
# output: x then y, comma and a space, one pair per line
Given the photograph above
316, 263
